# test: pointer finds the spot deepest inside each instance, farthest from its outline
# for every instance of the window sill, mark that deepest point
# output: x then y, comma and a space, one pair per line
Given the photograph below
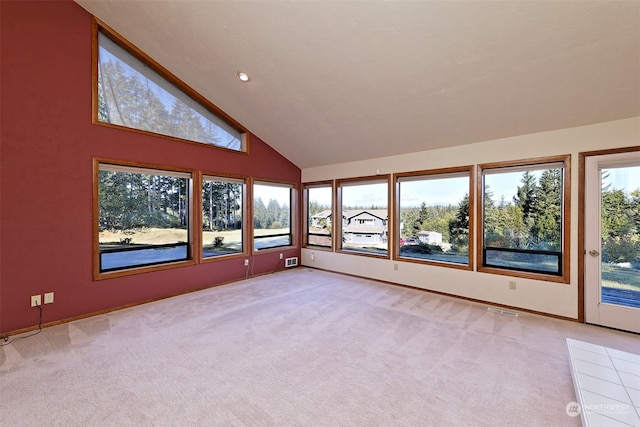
434, 263
140, 270
525, 274
362, 253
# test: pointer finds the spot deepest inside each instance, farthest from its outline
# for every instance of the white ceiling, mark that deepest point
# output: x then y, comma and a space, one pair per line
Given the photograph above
338, 81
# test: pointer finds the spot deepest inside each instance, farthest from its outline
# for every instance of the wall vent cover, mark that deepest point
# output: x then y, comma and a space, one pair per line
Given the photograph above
291, 262
501, 311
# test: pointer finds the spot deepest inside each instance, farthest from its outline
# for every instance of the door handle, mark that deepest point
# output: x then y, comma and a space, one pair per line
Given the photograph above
594, 253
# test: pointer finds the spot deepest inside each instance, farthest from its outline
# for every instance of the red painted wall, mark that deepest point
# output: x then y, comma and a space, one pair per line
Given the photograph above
47, 146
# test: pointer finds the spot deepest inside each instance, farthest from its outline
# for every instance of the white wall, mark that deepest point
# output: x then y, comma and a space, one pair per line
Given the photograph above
548, 297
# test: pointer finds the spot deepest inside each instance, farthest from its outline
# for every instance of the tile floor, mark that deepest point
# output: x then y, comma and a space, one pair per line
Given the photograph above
607, 384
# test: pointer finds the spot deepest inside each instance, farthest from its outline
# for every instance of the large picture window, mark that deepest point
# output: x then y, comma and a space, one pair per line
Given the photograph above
364, 205
434, 216
319, 214
222, 216
131, 94
272, 214
524, 213
144, 216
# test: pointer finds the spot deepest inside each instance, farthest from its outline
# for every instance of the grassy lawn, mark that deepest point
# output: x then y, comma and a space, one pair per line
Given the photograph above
620, 277
613, 276
146, 236
159, 236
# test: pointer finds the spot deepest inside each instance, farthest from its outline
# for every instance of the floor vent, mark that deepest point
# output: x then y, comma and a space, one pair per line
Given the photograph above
291, 262
501, 311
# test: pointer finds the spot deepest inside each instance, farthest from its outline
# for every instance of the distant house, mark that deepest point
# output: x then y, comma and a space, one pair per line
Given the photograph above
321, 219
365, 227
430, 237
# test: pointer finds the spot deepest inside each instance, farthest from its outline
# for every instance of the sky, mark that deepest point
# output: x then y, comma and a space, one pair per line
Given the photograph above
267, 192
365, 196
623, 178
413, 192
433, 192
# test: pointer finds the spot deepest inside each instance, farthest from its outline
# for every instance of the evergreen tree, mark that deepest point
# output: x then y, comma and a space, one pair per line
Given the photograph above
408, 217
438, 218
259, 213
492, 232
634, 211
273, 214
420, 221
211, 133
459, 225
213, 205
515, 230
615, 209
132, 200
315, 208
117, 90
619, 233
546, 232
185, 123
233, 206
525, 197
103, 113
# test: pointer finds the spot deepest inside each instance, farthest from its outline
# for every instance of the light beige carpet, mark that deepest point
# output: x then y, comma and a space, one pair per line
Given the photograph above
297, 348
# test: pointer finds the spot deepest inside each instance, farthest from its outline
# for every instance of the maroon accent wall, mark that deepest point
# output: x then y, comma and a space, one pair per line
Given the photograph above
47, 146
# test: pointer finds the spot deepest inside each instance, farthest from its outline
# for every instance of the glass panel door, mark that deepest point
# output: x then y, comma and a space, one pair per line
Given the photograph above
612, 241
620, 236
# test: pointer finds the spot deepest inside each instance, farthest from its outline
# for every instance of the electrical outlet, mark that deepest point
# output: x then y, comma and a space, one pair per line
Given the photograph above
246, 263
36, 300
512, 285
395, 267
48, 298
281, 256
313, 256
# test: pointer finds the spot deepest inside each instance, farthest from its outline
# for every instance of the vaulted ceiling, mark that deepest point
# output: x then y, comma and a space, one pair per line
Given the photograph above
339, 81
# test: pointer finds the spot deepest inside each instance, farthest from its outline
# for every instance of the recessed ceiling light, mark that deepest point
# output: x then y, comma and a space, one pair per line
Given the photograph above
245, 77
